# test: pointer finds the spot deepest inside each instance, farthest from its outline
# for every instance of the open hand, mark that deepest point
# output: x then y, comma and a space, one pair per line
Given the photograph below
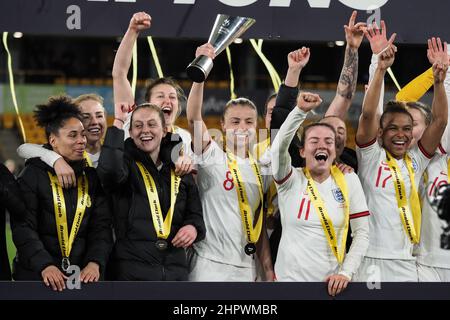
378, 37
438, 57
90, 273
53, 277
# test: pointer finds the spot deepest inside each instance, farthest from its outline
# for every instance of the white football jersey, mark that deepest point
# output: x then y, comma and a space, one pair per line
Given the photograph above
94, 158
186, 137
225, 238
304, 253
430, 251
388, 239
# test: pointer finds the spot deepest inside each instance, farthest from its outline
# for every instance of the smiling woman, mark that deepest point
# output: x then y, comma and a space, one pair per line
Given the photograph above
62, 228
337, 200
94, 122
157, 214
93, 118
392, 158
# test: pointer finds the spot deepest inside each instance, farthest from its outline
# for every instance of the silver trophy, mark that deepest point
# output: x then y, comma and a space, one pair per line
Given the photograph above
225, 30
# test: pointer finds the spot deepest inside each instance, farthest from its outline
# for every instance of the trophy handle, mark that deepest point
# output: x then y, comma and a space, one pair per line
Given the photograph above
198, 70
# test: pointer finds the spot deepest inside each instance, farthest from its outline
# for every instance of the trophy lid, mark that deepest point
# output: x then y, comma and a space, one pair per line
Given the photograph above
226, 29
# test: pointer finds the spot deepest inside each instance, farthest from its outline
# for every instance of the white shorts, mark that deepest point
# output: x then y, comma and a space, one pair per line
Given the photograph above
432, 274
386, 270
202, 269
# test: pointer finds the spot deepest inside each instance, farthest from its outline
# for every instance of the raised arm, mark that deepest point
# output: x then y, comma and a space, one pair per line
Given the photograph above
437, 54
349, 75
378, 42
113, 166
197, 127
121, 86
288, 92
297, 60
445, 140
281, 161
287, 98
369, 119
417, 87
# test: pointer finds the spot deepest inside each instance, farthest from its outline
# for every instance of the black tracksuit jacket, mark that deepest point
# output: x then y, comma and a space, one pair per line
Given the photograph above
135, 255
11, 200
36, 236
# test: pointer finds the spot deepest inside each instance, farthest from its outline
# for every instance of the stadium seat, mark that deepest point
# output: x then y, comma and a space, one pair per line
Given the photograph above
8, 120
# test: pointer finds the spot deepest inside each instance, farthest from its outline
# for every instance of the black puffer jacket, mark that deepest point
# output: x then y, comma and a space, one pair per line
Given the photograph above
10, 198
36, 238
136, 256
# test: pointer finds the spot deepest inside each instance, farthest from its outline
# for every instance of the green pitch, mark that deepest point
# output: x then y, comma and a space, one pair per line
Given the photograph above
9, 244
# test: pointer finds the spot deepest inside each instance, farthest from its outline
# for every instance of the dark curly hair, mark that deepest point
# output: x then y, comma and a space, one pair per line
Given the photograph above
53, 115
394, 107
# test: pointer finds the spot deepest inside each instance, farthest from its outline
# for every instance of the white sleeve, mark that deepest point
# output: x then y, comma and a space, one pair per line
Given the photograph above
281, 160
126, 126
367, 155
373, 66
360, 243
445, 140
358, 203
212, 155
30, 150
187, 140
359, 221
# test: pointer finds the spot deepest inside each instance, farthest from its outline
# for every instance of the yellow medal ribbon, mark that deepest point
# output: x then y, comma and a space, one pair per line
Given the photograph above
271, 193
83, 201
252, 233
87, 159
162, 227
262, 147
322, 211
411, 223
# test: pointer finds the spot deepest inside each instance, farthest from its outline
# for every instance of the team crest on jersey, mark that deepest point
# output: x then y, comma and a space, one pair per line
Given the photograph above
338, 196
